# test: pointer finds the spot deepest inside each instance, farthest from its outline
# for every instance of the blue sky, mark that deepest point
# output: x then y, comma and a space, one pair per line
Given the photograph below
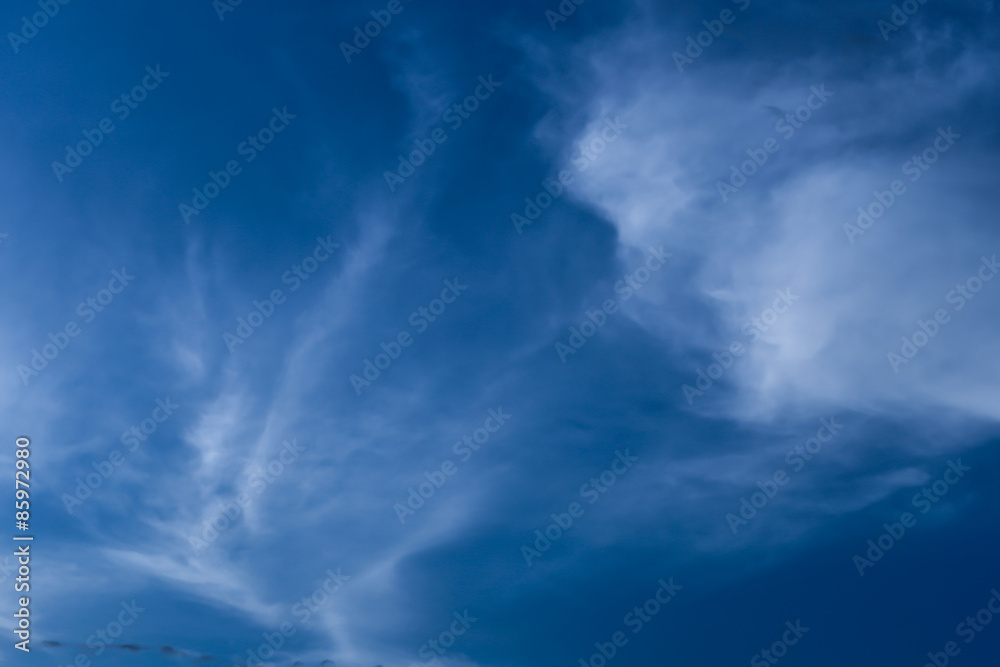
508, 334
